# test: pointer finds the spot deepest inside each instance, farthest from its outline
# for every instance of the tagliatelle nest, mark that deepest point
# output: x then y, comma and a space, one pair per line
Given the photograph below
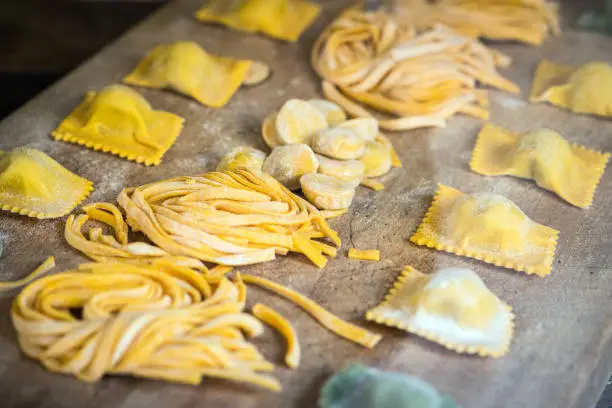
528, 21
162, 320
229, 218
368, 59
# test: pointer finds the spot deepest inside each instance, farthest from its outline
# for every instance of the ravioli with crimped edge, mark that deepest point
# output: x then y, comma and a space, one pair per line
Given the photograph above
488, 227
452, 307
570, 170
33, 184
120, 121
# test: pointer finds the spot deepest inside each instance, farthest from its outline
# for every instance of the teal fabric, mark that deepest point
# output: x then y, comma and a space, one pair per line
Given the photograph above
596, 20
358, 386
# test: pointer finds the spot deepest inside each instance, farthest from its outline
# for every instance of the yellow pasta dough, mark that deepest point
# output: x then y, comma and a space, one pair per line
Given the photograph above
488, 227
33, 184
282, 19
581, 89
188, 69
571, 171
120, 121
452, 307
245, 157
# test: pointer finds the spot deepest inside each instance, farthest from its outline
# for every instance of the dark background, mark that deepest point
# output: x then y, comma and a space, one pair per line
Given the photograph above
41, 41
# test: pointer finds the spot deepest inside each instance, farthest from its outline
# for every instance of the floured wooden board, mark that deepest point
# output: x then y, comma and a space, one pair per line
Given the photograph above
561, 354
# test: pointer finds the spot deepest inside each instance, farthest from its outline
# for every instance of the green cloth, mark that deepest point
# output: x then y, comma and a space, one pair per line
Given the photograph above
358, 386
597, 20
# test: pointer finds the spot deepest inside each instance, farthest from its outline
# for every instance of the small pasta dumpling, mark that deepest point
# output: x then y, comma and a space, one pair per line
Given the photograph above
334, 114
327, 192
367, 128
338, 143
290, 162
343, 169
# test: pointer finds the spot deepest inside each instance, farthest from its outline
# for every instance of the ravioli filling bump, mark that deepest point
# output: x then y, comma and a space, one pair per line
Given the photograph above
488, 227
452, 307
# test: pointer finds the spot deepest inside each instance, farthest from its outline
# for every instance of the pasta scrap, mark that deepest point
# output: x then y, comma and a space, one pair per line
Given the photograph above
159, 321
281, 19
414, 76
583, 89
452, 307
187, 68
274, 319
364, 254
35, 185
570, 170
488, 227
229, 218
120, 121
327, 319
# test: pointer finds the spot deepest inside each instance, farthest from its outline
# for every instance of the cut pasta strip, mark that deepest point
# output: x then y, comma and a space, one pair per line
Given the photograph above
284, 327
366, 254
327, 319
43, 268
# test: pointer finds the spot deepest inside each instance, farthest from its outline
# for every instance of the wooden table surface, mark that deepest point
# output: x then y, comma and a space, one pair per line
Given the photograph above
561, 354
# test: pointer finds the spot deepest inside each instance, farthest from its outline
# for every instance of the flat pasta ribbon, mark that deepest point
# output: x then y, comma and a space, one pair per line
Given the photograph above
488, 227
328, 320
161, 321
415, 77
452, 307
229, 218
188, 69
282, 19
274, 319
570, 170
120, 121
33, 184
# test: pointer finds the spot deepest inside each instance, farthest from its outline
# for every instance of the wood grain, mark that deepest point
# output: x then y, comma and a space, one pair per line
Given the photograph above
562, 351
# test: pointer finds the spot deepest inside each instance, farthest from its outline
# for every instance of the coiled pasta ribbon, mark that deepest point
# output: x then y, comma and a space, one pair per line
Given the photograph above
228, 218
161, 320
368, 59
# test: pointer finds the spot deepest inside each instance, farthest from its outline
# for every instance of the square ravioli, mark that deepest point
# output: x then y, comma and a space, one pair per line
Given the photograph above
188, 69
570, 170
452, 307
583, 89
33, 184
282, 19
487, 227
121, 121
